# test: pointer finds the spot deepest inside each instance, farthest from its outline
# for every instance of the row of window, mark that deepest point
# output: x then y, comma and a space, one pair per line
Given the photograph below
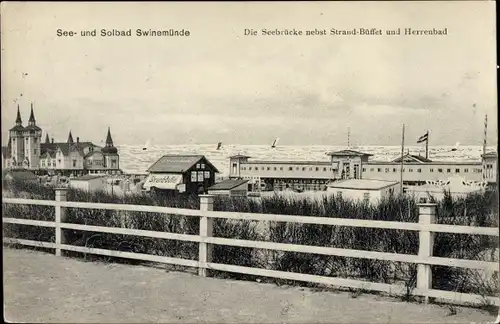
199, 176
289, 168
440, 170
200, 165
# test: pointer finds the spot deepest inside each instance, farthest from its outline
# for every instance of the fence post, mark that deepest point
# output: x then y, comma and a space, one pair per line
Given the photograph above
60, 218
426, 216
206, 230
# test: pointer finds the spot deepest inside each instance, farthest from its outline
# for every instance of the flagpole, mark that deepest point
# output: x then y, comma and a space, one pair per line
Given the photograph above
402, 158
427, 146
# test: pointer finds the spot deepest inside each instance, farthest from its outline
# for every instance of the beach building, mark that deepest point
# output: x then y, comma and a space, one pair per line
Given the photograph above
230, 187
456, 186
370, 191
181, 173
26, 150
89, 182
351, 164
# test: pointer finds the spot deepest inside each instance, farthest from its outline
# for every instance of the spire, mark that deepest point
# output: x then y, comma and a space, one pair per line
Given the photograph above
19, 121
31, 121
70, 138
47, 139
109, 140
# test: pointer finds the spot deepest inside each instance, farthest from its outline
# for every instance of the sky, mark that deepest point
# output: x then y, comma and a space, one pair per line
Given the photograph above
219, 85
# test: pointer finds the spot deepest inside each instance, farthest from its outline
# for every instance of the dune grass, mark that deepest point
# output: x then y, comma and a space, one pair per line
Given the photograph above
480, 209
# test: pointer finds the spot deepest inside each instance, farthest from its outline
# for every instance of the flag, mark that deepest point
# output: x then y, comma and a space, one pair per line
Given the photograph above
423, 138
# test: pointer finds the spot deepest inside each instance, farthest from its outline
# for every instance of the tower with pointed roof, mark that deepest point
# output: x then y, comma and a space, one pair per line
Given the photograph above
110, 152
70, 138
32, 142
17, 141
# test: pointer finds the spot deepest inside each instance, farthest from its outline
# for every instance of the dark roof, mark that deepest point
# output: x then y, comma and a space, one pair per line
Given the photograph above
489, 154
17, 128
348, 153
228, 184
178, 163
21, 175
32, 127
239, 156
417, 158
92, 153
88, 177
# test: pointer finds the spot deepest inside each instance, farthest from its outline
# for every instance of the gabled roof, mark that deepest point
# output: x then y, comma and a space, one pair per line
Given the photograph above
413, 158
89, 154
32, 128
239, 156
17, 128
490, 154
348, 153
178, 163
228, 184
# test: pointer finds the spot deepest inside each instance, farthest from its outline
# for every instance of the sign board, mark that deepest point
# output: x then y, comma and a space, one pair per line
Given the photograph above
163, 181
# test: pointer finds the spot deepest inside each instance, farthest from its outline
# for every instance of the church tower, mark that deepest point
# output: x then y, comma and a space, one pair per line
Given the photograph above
17, 141
32, 139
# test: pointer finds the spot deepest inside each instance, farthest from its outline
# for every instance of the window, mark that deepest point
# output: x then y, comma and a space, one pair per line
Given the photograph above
386, 170
394, 170
364, 169
243, 168
262, 168
197, 165
281, 168
419, 170
193, 176
448, 170
324, 169
317, 169
310, 168
466, 170
74, 163
290, 168
235, 167
440, 170
207, 174
275, 169
200, 176
372, 169
203, 165
268, 168
410, 170
366, 197
431, 170
379, 170
297, 168
303, 168
14, 140
59, 161
457, 170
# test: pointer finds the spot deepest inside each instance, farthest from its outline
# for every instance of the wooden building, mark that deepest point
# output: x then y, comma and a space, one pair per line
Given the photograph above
230, 187
181, 173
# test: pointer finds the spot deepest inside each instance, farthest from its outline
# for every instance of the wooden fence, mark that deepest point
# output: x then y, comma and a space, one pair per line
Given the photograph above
424, 260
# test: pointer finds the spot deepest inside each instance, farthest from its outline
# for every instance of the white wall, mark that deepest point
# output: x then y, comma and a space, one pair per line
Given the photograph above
358, 194
88, 185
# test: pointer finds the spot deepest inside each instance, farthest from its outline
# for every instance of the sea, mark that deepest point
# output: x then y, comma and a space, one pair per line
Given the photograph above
135, 160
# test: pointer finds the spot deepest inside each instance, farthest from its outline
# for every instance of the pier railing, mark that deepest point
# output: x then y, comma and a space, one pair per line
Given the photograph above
426, 228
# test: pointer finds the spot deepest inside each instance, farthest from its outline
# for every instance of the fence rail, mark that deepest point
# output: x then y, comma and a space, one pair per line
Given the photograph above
426, 228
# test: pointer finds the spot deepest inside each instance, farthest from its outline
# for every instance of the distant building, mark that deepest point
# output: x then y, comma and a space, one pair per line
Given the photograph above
351, 164
230, 187
456, 186
88, 182
181, 173
366, 190
26, 150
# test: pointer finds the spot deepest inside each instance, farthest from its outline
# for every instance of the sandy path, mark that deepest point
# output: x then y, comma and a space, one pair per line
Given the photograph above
40, 287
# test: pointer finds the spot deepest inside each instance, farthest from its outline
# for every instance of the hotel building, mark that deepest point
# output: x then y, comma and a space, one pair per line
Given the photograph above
25, 150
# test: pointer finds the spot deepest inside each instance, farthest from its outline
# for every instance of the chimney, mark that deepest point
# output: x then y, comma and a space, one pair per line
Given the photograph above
52, 140
78, 139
